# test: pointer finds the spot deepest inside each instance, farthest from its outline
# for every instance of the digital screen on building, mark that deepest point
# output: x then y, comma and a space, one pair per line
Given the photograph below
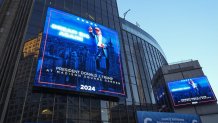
79, 55
160, 96
191, 91
160, 117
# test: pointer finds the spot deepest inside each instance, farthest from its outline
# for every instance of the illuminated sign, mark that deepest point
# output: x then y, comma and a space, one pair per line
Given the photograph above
160, 95
191, 91
79, 55
160, 117
69, 33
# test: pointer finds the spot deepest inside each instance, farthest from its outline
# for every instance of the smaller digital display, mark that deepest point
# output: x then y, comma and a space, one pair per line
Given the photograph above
160, 117
191, 91
160, 96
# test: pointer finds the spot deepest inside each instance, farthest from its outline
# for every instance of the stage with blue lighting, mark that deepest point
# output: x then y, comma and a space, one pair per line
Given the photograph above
79, 55
191, 91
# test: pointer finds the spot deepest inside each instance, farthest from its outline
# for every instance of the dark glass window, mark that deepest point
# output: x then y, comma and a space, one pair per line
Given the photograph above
77, 7
60, 3
68, 5
95, 115
1, 2
84, 114
105, 20
73, 112
98, 3
50, 2
95, 104
109, 9
131, 116
103, 5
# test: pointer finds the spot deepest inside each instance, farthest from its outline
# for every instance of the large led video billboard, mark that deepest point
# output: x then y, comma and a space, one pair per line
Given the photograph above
79, 55
191, 91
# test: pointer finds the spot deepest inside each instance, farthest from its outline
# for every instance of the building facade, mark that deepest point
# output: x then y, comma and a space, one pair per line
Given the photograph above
21, 25
183, 88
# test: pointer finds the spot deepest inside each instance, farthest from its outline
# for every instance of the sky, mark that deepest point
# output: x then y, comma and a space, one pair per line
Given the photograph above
185, 29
